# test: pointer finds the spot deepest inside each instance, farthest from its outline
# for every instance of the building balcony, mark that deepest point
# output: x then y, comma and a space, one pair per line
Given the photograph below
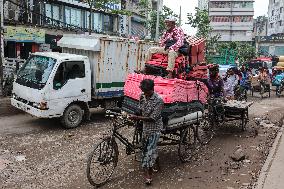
235, 38
231, 0
231, 13
16, 16
242, 26
276, 30
82, 3
249, 10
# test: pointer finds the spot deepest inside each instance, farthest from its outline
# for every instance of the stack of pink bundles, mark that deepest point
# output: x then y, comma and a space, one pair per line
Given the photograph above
171, 90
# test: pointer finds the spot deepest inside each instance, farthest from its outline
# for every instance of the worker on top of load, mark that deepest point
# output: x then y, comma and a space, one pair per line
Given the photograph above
170, 43
215, 82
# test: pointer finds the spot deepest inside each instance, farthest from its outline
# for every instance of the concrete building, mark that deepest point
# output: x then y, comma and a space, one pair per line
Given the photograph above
203, 4
273, 42
232, 19
276, 17
37, 25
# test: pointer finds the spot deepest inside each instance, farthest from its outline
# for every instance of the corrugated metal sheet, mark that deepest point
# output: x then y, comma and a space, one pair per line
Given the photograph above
111, 65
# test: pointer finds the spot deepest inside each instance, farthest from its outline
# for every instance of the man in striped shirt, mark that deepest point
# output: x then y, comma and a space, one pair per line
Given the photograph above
170, 43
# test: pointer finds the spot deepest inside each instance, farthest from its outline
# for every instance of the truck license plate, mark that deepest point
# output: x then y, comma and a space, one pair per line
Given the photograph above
21, 107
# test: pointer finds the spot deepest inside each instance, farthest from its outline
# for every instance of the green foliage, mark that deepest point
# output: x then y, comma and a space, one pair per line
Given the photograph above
260, 23
100, 4
201, 21
244, 51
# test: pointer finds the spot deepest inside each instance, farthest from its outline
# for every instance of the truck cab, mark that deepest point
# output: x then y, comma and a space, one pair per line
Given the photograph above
51, 85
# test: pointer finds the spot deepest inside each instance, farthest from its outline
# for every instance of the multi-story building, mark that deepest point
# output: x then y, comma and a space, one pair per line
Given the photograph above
276, 17
36, 25
232, 19
203, 4
273, 42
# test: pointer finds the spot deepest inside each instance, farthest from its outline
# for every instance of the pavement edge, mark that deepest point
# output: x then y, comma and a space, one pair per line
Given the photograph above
268, 162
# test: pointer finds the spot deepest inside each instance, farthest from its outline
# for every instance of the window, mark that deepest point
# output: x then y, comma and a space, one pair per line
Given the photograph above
280, 23
52, 12
36, 71
272, 13
73, 16
108, 23
271, 25
97, 22
66, 71
281, 9
68, 16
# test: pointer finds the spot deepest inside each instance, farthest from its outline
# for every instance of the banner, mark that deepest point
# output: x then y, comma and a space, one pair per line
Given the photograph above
22, 34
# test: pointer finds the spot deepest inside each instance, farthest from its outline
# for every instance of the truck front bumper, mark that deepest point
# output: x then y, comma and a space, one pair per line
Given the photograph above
32, 110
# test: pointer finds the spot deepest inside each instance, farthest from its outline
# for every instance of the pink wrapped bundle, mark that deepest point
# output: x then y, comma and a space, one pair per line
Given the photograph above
171, 90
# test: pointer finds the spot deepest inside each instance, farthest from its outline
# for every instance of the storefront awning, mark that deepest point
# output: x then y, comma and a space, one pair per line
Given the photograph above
80, 42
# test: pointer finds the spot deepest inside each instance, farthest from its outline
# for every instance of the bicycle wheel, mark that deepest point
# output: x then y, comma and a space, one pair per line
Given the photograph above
278, 91
102, 162
187, 144
205, 131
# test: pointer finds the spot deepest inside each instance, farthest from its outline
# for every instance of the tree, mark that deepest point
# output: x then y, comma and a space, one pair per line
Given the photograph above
102, 5
259, 28
201, 21
244, 51
163, 15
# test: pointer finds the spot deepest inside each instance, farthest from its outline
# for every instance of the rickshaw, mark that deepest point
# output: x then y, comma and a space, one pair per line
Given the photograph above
261, 86
182, 131
278, 79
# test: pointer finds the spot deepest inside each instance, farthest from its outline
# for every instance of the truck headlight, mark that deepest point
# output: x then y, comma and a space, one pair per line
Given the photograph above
41, 105
14, 96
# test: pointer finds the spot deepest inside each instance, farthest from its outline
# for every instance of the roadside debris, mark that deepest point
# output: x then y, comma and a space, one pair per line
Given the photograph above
238, 155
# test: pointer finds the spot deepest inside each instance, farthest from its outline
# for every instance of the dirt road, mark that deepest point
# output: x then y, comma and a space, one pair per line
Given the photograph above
40, 154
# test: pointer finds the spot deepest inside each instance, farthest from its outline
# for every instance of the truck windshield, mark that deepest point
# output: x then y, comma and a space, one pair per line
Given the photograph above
35, 72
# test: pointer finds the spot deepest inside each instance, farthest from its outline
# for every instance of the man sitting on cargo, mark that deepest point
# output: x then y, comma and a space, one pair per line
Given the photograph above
170, 43
151, 105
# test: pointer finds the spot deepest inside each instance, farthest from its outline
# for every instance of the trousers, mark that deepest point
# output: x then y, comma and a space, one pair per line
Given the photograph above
172, 55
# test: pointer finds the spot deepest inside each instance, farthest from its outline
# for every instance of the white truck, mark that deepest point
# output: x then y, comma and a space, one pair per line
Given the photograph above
89, 73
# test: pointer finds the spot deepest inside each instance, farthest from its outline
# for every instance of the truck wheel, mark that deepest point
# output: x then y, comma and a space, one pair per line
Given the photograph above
72, 116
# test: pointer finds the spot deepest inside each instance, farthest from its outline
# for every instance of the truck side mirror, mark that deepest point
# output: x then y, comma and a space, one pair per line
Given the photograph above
56, 86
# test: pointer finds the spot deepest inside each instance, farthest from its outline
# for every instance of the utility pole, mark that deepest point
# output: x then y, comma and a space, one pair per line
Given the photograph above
179, 16
1, 45
147, 20
157, 21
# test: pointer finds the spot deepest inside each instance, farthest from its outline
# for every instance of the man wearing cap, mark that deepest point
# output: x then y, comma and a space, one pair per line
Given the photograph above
171, 41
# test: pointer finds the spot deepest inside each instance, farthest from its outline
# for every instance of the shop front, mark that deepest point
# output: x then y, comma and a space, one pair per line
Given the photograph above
21, 41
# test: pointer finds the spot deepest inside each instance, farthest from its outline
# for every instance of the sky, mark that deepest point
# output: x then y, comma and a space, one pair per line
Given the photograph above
187, 6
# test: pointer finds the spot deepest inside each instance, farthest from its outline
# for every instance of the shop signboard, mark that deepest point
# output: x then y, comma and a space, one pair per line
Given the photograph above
22, 34
272, 39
